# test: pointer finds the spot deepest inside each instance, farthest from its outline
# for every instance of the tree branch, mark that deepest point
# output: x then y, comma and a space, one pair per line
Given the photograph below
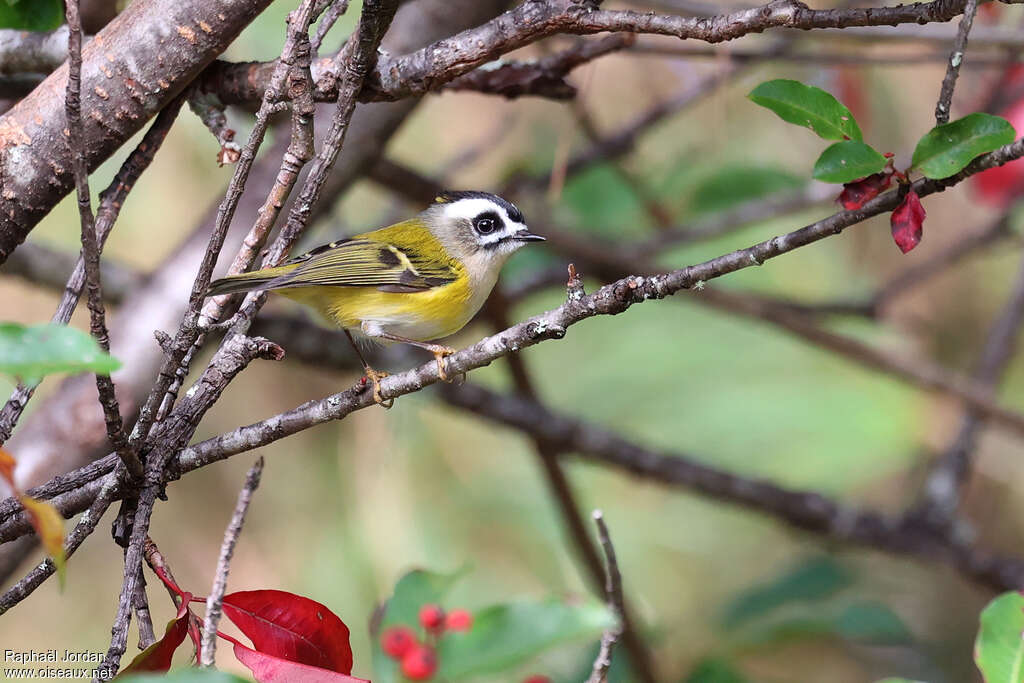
90, 248
111, 201
215, 600
50, 443
941, 494
436, 65
956, 58
123, 87
565, 500
806, 510
613, 591
611, 299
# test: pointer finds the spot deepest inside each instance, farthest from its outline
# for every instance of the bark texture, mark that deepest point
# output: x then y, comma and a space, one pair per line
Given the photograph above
123, 85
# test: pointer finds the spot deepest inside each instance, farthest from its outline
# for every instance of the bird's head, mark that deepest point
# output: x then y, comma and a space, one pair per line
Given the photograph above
478, 226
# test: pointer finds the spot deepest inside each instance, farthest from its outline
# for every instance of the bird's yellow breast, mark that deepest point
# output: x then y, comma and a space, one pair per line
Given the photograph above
422, 316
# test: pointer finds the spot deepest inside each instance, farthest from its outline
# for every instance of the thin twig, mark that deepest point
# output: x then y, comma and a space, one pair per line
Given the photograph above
215, 600
942, 491
613, 591
169, 437
111, 201
819, 57
610, 299
335, 11
147, 636
158, 563
86, 525
90, 248
292, 81
956, 58
177, 429
429, 69
806, 510
568, 507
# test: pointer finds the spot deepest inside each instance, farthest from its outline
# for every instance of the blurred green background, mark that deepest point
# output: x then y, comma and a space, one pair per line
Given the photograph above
345, 509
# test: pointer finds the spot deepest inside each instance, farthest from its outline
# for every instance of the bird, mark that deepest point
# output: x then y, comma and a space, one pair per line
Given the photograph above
413, 282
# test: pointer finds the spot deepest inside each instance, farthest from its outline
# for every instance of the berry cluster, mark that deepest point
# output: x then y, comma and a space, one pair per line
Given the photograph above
417, 658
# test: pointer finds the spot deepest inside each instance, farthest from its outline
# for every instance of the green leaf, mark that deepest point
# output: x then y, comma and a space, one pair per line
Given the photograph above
715, 670
947, 149
603, 202
727, 187
873, 623
815, 579
416, 588
30, 353
846, 161
897, 680
506, 635
869, 623
31, 15
807, 106
190, 675
999, 649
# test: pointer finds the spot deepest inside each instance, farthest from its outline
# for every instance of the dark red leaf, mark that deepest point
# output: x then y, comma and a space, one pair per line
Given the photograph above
291, 627
907, 221
157, 657
860, 192
269, 669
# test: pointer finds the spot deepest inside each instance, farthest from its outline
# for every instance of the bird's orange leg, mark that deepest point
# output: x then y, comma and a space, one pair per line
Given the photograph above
375, 376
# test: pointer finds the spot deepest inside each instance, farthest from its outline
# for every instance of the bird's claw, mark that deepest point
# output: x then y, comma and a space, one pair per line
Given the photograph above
375, 376
440, 354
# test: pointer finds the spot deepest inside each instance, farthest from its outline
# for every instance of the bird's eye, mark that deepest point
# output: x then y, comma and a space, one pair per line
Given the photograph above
484, 226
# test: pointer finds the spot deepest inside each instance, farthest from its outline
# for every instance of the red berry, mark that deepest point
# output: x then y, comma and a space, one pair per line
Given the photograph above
419, 663
397, 641
458, 620
537, 679
432, 617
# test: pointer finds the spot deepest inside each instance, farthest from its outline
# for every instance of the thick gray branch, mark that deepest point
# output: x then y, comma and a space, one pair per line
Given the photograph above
122, 87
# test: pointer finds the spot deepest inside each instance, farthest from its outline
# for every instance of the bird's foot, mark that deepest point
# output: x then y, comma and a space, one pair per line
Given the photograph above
441, 353
375, 376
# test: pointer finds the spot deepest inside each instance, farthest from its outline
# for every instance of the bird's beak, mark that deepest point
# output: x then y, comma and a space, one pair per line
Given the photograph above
527, 236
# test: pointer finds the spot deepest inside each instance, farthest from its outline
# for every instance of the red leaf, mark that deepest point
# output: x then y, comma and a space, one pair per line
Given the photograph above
292, 627
907, 221
860, 192
269, 669
157, 657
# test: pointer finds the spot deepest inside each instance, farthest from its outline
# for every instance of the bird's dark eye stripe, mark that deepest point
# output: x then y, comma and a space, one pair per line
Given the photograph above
486, 222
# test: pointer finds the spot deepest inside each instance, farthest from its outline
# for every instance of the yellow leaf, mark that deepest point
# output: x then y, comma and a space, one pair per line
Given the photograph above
49, 526
7, 464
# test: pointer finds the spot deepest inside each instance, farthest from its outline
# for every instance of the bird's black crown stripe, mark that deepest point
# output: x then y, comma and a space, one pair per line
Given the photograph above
449, 196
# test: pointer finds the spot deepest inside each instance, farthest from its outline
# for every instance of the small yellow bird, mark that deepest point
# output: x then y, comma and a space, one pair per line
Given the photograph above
411, 282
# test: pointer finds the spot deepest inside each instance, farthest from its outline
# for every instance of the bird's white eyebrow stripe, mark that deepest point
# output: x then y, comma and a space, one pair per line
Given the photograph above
474, 206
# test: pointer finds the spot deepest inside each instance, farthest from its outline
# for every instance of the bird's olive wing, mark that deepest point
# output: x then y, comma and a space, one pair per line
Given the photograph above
366, 263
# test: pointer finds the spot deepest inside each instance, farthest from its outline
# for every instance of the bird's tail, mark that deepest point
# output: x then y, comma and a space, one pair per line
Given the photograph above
249, 282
